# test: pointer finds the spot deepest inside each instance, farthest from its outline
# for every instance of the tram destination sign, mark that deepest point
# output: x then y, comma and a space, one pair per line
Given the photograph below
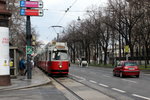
31, 12
31, 4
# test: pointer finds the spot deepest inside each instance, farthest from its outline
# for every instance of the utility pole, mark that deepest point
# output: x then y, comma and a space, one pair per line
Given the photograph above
58, 38
28, 41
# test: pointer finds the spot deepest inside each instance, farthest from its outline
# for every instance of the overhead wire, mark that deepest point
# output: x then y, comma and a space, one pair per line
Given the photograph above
52, 31
66, 11
60, 11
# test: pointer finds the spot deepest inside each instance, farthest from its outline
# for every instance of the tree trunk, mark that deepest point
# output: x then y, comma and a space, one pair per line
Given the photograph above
147, 52
89, 53
105, 55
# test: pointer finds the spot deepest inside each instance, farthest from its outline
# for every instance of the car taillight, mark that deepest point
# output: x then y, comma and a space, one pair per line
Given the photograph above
136, 67
126, 67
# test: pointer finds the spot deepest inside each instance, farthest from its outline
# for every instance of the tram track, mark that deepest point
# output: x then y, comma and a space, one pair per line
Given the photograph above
72, 92
91, 87
103, 90
80, 90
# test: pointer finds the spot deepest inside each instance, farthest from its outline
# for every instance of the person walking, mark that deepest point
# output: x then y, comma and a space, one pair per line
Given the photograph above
32, 63
22, 66
31, 67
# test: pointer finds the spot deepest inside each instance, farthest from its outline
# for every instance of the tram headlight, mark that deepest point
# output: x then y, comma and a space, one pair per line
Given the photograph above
60, 66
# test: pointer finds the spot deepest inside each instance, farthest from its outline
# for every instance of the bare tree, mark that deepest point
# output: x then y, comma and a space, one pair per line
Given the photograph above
121, 23
127, 17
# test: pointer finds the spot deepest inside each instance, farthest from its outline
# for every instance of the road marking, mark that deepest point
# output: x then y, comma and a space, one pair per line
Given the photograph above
147, 74
129, 80
119, 90
106, 75
83, 79
141, 96
103, 85
92, 81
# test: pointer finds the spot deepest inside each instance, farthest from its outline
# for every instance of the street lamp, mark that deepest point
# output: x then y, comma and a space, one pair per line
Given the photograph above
78, 18
56, 26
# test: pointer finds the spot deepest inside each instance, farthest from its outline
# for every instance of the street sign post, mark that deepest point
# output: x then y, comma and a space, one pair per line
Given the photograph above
31, 4
28, 11
31, 12
29, 50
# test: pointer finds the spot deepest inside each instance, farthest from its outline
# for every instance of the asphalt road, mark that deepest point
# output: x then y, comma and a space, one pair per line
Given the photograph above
101, 79
128, 88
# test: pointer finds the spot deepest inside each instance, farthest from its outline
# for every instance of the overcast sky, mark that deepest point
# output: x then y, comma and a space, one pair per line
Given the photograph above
54, 14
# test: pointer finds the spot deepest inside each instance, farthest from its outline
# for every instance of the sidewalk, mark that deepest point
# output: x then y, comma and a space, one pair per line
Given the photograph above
38, 78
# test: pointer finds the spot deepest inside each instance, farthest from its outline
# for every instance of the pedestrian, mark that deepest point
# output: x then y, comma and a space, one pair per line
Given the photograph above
32, 66
32, 63
11, 63
22, 66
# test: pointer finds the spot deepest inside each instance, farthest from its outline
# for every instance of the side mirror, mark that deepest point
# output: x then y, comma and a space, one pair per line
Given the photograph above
115, 66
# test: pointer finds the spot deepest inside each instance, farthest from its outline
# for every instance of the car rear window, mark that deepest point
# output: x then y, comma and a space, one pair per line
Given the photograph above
130, 64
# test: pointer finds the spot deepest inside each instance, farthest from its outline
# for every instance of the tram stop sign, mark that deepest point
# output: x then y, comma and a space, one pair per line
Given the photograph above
29, 50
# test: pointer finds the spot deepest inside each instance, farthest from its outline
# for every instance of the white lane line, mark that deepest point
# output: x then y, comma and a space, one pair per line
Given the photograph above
92, 81
147, 74
78, 77
129, 81
106, 75
119, 90
103, 85
141, 96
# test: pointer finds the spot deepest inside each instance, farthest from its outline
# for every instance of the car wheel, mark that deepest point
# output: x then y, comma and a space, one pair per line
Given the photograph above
137, 76
114, 74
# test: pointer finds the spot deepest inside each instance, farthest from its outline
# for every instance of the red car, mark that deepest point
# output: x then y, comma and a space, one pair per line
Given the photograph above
126, 68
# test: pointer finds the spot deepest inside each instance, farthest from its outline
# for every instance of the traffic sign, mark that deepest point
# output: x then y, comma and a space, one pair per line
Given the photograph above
126, 48
29, 50
31, 12
31, 4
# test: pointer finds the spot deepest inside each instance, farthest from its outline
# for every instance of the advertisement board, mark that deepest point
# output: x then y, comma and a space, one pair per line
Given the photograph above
4, 51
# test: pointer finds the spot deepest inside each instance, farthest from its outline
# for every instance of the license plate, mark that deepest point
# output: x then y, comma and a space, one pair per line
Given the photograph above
131, 68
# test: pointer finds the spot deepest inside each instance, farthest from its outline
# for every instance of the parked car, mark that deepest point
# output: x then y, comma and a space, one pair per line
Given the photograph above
126, 68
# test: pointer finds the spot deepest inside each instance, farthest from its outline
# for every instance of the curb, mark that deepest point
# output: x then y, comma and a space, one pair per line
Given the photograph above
30, 86
34, 83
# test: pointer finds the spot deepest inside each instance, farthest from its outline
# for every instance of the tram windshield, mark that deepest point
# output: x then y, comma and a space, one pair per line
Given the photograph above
60, 55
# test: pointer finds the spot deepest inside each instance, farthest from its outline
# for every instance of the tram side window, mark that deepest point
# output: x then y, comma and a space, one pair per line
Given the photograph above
45, 56
49, 56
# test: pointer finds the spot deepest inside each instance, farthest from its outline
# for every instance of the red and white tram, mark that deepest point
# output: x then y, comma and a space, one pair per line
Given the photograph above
54, 58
